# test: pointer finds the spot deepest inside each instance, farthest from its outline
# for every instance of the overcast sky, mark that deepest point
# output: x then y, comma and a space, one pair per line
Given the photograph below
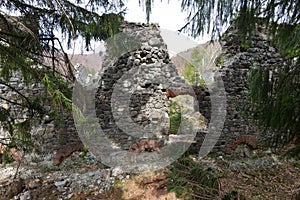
167, 15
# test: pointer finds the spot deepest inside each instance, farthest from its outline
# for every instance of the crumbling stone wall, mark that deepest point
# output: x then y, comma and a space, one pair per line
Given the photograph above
12, 90
149, 103
145, 73
44, 135
238, 60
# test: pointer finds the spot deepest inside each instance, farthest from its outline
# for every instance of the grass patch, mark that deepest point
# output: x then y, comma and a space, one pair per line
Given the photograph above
178, 122
115, 192
189, 181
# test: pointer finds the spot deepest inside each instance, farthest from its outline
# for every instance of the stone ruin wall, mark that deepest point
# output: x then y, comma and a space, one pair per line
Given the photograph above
237, 63
145, 74
234, 71
150, 97
45, 136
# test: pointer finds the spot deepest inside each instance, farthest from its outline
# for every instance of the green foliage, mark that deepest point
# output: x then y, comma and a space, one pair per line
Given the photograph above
197, 56
30, 46
192, 75
60, 97
190, 181
298, 196
212, 16
12, 59
23, 136
6, 120
287, 39
274, 97
294, 152
175, 118
60, 93
84, 152
95, 20
178, 123
6, 158
220, 61
274, 93
191, 71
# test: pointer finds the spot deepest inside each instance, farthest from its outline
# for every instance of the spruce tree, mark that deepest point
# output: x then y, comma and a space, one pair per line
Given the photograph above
32, 37
28, 30
274, 92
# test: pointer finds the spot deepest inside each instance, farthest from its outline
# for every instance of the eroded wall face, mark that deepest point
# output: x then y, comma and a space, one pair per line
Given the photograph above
131, 101
143, 70
236, 63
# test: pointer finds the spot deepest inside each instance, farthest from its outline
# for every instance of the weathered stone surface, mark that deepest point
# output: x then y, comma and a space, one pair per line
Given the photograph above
66, 151
14, 188
250, 141
151, 96
145, 88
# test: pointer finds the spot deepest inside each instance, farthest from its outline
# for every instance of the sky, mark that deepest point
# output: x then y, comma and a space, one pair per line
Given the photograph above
168, 15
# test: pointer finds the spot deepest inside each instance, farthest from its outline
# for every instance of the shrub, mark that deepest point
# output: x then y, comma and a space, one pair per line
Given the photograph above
190, 181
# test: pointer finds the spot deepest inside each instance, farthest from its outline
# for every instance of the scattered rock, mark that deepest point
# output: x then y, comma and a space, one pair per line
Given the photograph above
61, 183
250, 141
32, 184
14, 188
146, 145
66, 151
25, 196
12, 152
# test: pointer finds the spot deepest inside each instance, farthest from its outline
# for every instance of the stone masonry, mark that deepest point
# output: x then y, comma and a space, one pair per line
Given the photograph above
144, 63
